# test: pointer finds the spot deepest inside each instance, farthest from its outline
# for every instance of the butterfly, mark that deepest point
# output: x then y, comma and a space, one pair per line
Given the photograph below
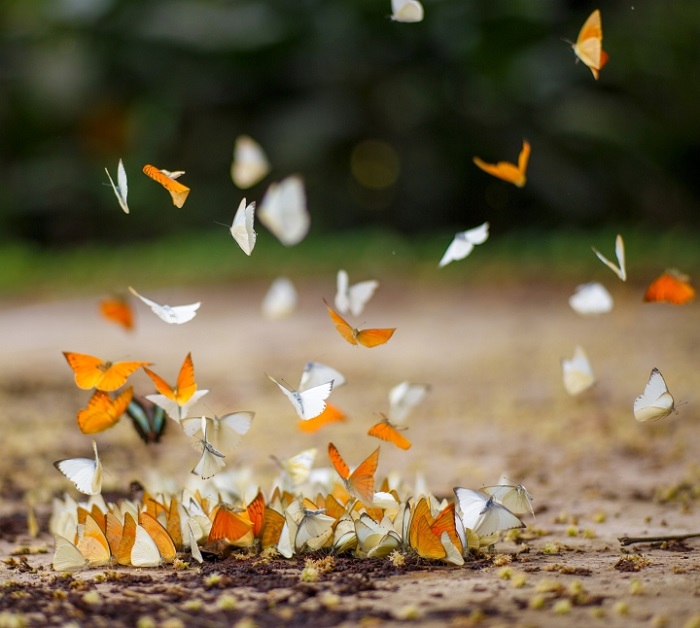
406, 11
283, 211
332, 414
359, 483
211, 460
315, 374
222, 433
66, 557
296, 470
620, 269
249, 164
403, 398
577, 372
91, 372
157, 532
388, 431
173, 314
589, 45
178, 192
176, 400
242, 229
233, 526
308, 403
148, 419
591, 299
144, 551
118, 310
463, 244
375, 540
93, 544
120, 190
314, 530
85, 473
507, 171
280, 300
672, 287
353, 298
366, 337
656, 401
514, 497
102, 411
484, 515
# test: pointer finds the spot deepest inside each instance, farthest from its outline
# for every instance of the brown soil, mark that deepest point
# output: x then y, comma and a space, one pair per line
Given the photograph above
497, 404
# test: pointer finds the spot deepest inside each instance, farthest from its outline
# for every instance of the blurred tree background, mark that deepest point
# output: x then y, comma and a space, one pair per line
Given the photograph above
321, 84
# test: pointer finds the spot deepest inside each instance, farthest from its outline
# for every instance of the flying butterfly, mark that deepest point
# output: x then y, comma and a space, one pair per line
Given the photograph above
366, 337
577, 372
280, 300
283, 210
308, 403
211, 460
223, 433
507, 171
353, 298
409, 11
484, 515
173, 314
591, 299
463, 244
656, 402
121, 189
671, 287
620, 269
178, 192
148, 418
91, 372
102, 412
359, 483
250, 165
117, 309
242, 229
85, 473
589, 44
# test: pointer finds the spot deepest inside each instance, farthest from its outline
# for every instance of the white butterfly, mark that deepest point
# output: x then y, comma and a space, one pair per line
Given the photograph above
514, 497
463, 244
316, 374
353, 298
212, 460
280, 300
85, 473
222, 433
283, 210
296, 470
577, 372
250, 164
66, 556
484, 515
591, 299
174, 314
308, 403
172, 408
314, 530
375, 540
242, 227
194, 533
406, 11
620, 270
403, 398
120, 190
656, 401
144, 551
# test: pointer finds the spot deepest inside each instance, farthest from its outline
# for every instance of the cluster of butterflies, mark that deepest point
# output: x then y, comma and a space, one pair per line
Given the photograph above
346, 513
345, 516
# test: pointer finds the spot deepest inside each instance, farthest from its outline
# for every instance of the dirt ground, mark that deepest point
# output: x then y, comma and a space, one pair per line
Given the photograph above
497, 404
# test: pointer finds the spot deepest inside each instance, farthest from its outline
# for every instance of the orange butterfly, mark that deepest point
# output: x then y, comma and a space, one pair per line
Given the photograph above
178, 191
160, 536
256, 513
91, 372
122, 552
359, 483
389, 432
102, 411
589, 45
93, 544
507, 171
118, 310
235, 527
185, 387
367, 337
272, 528
330, 415
672, 287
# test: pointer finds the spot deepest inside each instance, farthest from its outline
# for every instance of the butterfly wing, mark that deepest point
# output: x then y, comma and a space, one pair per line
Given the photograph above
144, 552
66, 557
359, 294
342, 325
316, 374
403, 398
280, 300
620, 270
122, 189
577, 373
225, 433
102, 411
360, 483
373, 337
591, 299
283, 211
178, 191
589, 44
250, 165
407, 11
386, 431
331, 414
671, 287
86, 474
210, 463
656, 402
337, 461
118, 310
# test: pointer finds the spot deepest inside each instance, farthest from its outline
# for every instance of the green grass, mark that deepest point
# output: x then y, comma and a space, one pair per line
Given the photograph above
212, 257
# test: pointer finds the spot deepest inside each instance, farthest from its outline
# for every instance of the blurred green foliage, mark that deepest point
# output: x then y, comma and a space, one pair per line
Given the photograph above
172, 83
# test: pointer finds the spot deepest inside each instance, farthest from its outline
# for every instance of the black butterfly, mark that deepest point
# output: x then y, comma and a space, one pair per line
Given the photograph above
148, 418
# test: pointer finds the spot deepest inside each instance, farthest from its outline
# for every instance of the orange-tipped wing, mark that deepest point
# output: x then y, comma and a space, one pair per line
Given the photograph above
229, 525
386, 431
424, 541
507, 171
160, 536
331, 414
366, 337
123, 552
91, 372
256, 513
445, 522
272, 528
671, 287
589, 44
102, 411
94, 545
178, 192
337, 461
185, 387
360, 484
113, 531
118, 310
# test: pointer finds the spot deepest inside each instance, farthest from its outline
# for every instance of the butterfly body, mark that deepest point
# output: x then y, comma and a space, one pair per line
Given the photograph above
178, 192
366, 337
